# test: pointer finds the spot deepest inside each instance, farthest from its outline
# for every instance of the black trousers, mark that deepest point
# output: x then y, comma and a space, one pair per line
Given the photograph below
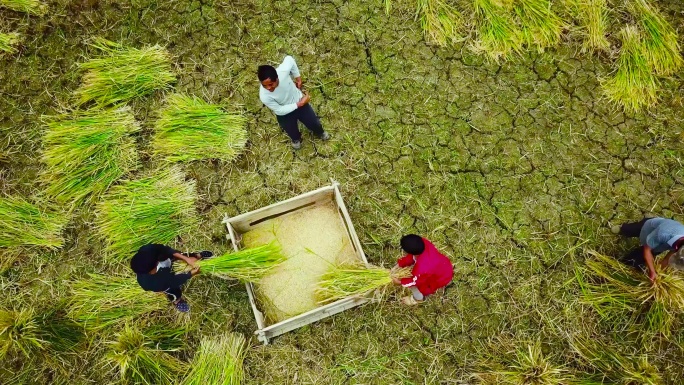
306, 115
173, 293
635, 257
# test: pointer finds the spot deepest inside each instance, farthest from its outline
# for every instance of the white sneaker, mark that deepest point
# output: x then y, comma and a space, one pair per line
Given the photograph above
297, 145
325, 135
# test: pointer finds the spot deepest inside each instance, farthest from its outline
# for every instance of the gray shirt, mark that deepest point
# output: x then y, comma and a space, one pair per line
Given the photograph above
284, 98
660, 234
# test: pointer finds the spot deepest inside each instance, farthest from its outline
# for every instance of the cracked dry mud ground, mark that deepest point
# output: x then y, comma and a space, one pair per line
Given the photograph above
505, 167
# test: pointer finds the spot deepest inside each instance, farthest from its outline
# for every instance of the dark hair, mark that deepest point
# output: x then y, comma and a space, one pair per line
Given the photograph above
267, 72
412, 244
143, 263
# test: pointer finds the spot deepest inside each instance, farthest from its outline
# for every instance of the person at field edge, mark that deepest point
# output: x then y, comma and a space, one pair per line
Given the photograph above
656, 235
152, 265
431, 269
286, 99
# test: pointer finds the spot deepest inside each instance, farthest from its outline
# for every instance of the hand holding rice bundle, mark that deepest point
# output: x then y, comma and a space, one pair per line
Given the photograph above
349, 280
248, 265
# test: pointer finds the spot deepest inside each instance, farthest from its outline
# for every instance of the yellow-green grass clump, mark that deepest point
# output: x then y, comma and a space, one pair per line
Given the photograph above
634, 84
19, 334
593, 19
23, 223
218, 361
123, 74
99, 301
247, 265
137, 357
498, 35
439, 20
349, 280
9, 42
660, 39
88, 152
626, 296
541, 27
156, 208
33, 7
192, 129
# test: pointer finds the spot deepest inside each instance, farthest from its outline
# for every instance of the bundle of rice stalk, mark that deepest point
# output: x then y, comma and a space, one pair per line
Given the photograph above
592, 17
102, 301
87, 153
24, 223
622, 290
634, 84
615, 367
33, 7
9, 42
19, 333
348, 280
137, 358
218, 361
439, 20
124, 74
153, 209
248, 265
191, 129
541, 27
661, 45
498, 34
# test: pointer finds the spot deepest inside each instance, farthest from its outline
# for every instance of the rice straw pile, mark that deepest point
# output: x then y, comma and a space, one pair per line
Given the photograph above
350, 280
87, 153
101, 301
124, 74
439, 20
9, 41
23, 223
153, 209
19, 334
218, 361
661, 45
33, 7
312, 240
192, 129
247, 265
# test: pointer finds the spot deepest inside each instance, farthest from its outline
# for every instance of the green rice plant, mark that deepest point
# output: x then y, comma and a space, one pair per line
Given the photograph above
248, 265
23, 223
661, 45
439, 20
9, 42
614, 366
541, 27
33, 7
19, 333
633, 84
137, 358
592, 16
87, 153
101, 301
191, 129
124, 74
498, 35
156, 208
218, 361
344, 281
624, 295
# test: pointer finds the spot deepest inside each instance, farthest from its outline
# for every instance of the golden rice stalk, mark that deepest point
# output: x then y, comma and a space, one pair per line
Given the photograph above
23, 223
247, 265
9, 42
218, 361
439, 20
661, 45
498, 36
593, 19
541, 27
19, 333
345, 281
32, 7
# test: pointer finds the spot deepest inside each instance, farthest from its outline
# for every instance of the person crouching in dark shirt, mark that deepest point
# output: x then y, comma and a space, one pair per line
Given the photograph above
152, 265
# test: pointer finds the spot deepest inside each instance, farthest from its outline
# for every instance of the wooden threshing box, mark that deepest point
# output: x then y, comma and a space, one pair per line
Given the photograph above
245, 222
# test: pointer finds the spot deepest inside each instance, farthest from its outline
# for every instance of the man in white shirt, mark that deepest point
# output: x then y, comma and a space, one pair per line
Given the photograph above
284, 96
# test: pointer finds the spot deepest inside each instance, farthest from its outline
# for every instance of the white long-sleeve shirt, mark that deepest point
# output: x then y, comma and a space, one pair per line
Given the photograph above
284, 98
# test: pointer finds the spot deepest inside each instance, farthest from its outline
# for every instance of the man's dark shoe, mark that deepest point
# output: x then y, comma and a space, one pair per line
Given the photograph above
182, 306
206, 254
325, 135
297, 145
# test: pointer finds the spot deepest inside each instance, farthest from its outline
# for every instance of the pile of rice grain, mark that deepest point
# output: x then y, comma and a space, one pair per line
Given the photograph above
312, 239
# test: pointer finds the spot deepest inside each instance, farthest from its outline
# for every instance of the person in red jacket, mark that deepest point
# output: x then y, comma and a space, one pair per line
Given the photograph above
431, 269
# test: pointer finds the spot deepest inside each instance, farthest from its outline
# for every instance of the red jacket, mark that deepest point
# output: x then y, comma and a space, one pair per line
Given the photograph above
431, 271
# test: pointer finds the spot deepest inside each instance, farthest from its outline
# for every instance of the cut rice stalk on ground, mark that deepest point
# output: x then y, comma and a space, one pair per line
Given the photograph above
247, 265
349, 280
99, 301
33, 7
218, 361
19, 334
9, 42
440, 21
593, 19
634, 84
156, 208
124, 74
23, 223
192, 129
660, 39
541, 27
498, 36
88, 152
